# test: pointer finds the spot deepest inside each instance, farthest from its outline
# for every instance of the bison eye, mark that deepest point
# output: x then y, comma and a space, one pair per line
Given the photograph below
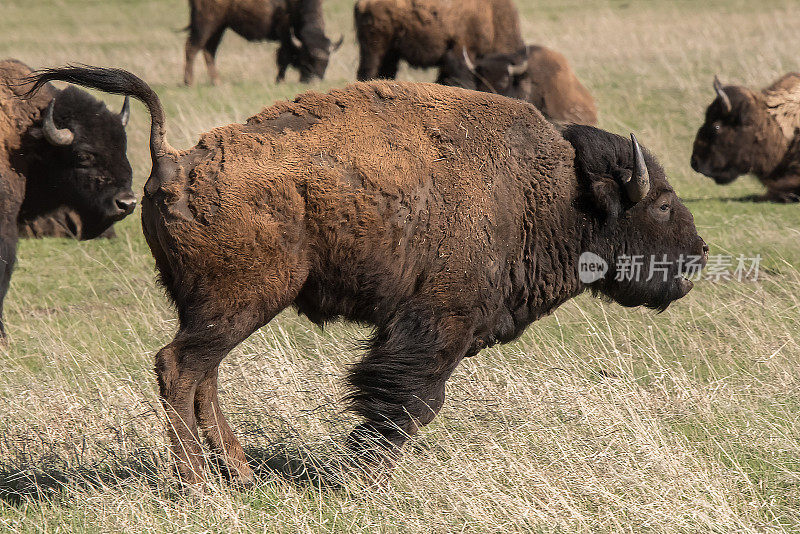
664, 207
85, 159
716, 127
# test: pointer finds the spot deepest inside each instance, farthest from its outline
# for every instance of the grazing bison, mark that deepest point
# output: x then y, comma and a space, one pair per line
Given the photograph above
297, 24
536, 74
60, 148
421, 32
749, 132
447, 219
61, 222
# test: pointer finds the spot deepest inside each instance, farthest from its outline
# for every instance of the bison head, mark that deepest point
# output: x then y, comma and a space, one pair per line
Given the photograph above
309, 54
643, 233
83, 164
504, 74
731, 142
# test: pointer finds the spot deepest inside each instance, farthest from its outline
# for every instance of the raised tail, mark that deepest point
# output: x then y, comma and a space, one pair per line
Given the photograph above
119, 82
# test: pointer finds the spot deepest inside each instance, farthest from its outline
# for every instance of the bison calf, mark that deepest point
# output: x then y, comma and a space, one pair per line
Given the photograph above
60, 150
536, 74
749, 132
447, 219
421, 32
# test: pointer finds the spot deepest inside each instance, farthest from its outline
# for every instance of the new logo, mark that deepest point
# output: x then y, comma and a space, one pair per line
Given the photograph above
591, 267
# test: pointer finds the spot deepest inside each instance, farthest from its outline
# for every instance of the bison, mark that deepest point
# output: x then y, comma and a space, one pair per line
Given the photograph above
749, 132
61, 222
60, 148
447, 219
297, 24
537, 74
422, 31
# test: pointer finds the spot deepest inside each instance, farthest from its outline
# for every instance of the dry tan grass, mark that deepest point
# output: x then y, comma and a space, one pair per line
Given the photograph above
599, 419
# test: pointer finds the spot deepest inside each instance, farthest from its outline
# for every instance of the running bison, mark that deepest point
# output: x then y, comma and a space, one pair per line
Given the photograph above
447, 219
422, 31
749, 132
536, 74
58, 149
296, 24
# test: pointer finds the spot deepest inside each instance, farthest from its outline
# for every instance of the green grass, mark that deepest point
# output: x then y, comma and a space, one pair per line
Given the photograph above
599, 419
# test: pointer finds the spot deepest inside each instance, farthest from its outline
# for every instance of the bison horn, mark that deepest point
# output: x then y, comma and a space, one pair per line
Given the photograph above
125, 114
295, 41
518, 69
470, 65
337, 44
55, 136
721, 93
638, 185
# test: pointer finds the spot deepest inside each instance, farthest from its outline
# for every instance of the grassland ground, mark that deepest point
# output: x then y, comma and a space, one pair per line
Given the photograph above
598, 419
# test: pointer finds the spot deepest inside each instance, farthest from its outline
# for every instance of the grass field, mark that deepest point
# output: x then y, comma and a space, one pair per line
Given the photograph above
599, 419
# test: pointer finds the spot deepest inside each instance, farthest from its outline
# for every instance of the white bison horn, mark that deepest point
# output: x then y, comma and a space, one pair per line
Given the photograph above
295, 41
125, 113
518, 69
55, 136
721, 93
470, 65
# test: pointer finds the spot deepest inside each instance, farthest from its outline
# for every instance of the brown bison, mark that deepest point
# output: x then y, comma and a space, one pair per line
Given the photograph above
58, 149
296, 24
749, 132
421, 32
537, 74
447, 219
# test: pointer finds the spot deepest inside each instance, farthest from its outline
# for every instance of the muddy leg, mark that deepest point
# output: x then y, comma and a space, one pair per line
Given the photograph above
399, 385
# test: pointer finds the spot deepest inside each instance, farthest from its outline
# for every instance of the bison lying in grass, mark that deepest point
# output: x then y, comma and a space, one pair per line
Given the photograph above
448, 219
753, 132
537, 74
60, 150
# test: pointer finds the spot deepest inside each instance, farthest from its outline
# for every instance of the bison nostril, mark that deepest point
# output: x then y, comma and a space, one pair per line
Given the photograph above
125, 203
695, 164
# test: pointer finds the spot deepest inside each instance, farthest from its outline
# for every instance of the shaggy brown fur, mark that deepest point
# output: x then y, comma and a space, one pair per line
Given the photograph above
285, 21
447, 219
90, 177
548, 82
421, 32
759, 135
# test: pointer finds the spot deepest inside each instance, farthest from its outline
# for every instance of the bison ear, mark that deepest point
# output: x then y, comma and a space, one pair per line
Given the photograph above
607, 197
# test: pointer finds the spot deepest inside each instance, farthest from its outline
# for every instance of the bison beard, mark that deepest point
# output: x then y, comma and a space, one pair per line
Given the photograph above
458, 222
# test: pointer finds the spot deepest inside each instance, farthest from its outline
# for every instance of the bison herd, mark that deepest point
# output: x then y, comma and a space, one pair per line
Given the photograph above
447, 216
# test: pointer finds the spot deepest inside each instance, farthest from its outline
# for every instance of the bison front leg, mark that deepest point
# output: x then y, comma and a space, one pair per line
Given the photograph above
9, 235
8, 254
398, 386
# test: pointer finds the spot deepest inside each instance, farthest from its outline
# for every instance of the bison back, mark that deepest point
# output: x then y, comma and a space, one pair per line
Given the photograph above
423, 184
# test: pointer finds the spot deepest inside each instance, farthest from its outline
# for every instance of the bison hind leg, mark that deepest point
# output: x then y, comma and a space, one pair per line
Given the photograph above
399, 385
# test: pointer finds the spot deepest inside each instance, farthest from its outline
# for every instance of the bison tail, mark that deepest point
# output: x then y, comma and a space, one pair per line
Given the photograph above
115, 81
